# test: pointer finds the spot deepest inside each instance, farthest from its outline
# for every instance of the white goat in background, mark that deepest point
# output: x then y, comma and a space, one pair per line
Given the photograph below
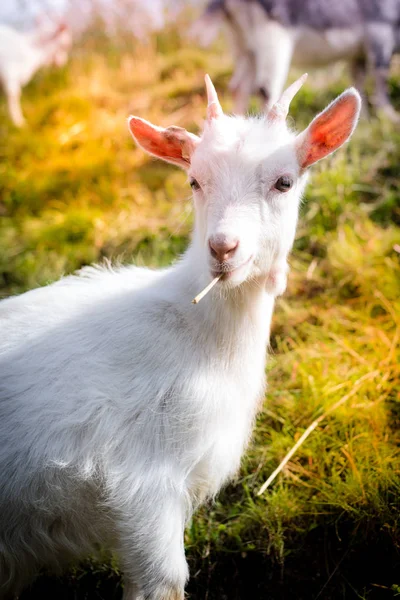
23, 53
122, 405
267, 36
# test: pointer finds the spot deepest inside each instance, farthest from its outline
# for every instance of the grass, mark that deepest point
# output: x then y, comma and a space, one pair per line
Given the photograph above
74, 190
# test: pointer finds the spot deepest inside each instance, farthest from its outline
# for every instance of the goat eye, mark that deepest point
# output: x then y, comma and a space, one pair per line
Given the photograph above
194, 184
284, 183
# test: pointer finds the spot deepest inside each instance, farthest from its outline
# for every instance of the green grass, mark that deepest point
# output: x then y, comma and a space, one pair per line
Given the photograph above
74, 189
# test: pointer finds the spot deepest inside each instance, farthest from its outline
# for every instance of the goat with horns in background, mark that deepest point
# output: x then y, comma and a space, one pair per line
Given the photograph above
267, 36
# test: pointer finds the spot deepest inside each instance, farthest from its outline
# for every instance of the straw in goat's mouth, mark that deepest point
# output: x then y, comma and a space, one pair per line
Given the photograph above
206, 289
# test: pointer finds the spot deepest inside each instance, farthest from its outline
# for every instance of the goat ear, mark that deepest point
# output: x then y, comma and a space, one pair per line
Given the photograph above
173, 144
330, 129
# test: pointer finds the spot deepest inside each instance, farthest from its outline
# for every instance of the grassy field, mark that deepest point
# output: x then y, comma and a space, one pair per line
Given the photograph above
74, 189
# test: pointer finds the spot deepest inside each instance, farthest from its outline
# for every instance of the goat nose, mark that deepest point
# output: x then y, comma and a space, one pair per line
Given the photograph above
221, 248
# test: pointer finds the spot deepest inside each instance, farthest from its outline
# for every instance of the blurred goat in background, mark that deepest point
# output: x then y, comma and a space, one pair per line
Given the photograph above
267, 36
23, 53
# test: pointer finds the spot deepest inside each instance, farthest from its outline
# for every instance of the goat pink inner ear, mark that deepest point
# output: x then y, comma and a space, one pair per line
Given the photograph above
173, 144
154, 140
330, 129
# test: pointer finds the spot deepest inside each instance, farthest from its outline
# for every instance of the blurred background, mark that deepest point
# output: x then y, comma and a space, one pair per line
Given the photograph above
75, 190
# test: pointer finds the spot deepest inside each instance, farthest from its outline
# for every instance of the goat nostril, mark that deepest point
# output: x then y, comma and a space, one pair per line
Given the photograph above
232, 249
212, 249
263, 93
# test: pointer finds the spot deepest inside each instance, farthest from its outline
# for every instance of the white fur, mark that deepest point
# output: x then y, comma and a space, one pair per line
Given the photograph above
22, 54
123, 405
267, 47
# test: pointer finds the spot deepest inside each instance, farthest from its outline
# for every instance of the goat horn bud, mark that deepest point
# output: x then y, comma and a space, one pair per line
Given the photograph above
280, 109
214, 109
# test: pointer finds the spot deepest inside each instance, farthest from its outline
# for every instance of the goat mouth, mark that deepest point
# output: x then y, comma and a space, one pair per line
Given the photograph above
225, 272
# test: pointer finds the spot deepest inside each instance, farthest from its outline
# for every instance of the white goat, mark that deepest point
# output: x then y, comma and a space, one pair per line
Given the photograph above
123, 405
267, 36
22, 54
